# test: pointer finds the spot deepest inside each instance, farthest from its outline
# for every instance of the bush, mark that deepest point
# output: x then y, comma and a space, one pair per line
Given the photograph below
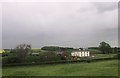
48, 56
10, 59
43, 57
31, 59
5, 54
116, 56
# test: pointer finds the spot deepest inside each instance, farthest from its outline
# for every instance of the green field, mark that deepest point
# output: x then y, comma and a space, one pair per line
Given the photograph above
105, 55
101, 68
1, 51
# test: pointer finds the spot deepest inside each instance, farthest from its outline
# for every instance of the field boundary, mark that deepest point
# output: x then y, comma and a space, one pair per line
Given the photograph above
58, 62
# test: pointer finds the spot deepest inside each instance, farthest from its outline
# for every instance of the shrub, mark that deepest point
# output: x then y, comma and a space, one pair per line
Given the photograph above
30, 59
10, 59
48, 56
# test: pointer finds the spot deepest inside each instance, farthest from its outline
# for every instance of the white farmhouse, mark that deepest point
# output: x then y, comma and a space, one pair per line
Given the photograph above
80, 53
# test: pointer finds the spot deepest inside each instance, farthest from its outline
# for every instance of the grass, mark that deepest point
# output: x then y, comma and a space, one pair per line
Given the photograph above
104, 55
101, 68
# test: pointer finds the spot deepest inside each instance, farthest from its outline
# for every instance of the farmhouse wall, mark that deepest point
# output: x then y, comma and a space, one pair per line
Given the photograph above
81, 54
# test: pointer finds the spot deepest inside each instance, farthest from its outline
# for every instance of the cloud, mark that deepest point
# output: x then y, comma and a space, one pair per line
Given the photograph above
0, 32
61, 23
105, 6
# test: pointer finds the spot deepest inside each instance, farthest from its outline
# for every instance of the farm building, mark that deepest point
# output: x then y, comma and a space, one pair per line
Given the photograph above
81, 53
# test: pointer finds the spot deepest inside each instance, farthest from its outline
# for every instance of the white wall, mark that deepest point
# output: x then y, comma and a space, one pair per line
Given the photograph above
81, 54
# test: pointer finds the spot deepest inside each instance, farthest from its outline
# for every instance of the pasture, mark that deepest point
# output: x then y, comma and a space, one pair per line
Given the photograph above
101, 68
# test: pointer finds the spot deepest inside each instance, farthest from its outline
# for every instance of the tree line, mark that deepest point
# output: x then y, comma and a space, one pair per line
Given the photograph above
23, 53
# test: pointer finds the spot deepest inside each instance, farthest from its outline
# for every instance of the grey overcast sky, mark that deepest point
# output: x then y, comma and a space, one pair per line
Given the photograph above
71, 24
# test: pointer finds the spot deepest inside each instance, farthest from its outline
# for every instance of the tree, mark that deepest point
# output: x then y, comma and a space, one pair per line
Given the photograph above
56, 48
105, 48
51, 48
115, 50
22, 51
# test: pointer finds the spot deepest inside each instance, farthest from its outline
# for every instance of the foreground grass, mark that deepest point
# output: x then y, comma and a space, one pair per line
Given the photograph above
101, 68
